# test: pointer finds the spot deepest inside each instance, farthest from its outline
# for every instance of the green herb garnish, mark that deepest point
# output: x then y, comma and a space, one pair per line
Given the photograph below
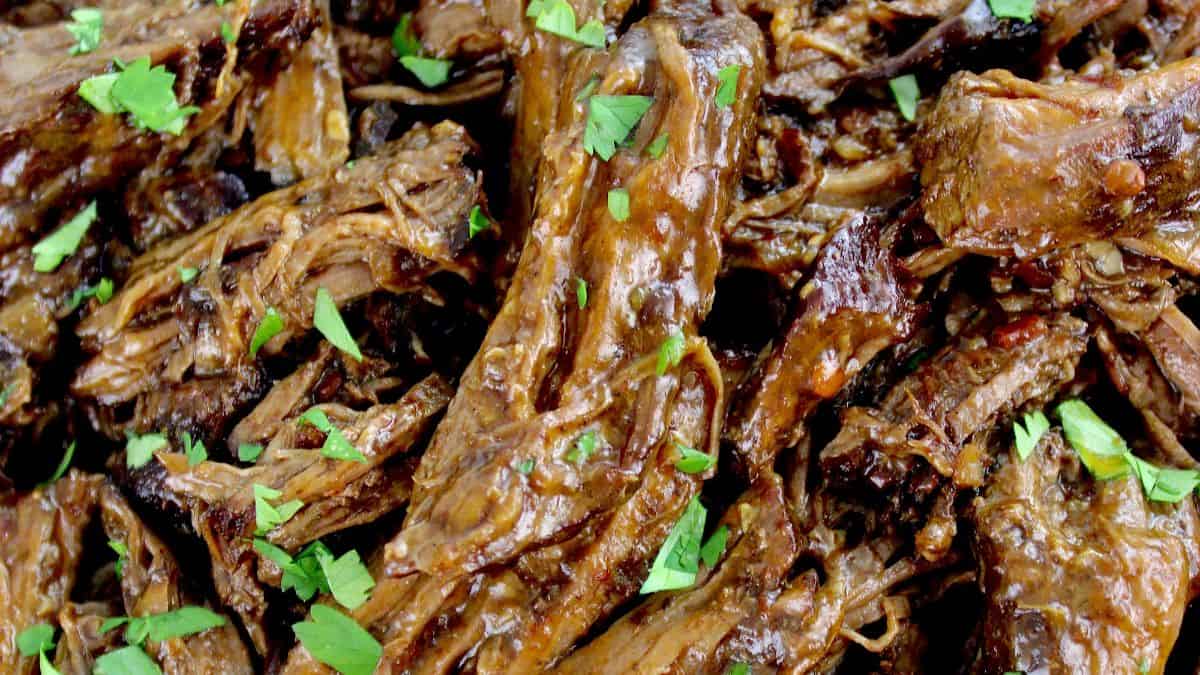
658, 146
63, 464
269, 326
249, 452
147, 94
336, 445
727, 79
1013, 9
338, 641
122, 552
87, 25
431, 72
348, 579
588, 88
670, 353
35, 639
692, 460
130, 660
678, 559
404, 40
714, 548
102, 291
194, 450
907, 93
1027, 437
525, 467
49, 253
140, 449
1100, 447
186, 274
327, 320
581, 292
610, 120
618, 204
584, 446
302, 573
267, 516
477, 222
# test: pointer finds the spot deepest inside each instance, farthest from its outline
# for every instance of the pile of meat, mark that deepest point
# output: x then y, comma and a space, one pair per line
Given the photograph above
870, 347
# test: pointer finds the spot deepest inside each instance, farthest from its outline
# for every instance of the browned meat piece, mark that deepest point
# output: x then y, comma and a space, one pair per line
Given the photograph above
81, 641
41, 541
55, 148
301, 127
151, 583
549, 371
180, 352
1080, 576
161, 206
931, 415
336, 494
680, 632
1175, 343
1011, 167
853, 307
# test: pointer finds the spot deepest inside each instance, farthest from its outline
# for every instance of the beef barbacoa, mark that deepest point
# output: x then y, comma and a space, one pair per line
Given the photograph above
520, 336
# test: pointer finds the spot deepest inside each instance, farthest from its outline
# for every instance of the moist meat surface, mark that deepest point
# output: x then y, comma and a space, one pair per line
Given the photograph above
724, 337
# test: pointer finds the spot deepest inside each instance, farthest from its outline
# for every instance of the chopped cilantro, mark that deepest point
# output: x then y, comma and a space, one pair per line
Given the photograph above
431, 72
102, 291
1027, 437
269, 326
348, 579
146, 93
525, 467
249, 452
692, 460
126, 661
535, 8
1013, 9
302, 573
477, 222
122, 554
610, 120
907, 93
727, 79
1100, 447
588, 88
336, 445
618, 204
327, 320
186, 274
140, 449
63, 464
670, 353
584, 446
658, 146
678, 559
267, 516
592, 34
581, 296
194, 450
714, 548
227, 33
404, 40
338, 641
87, 25
97, 90
45, 667
557, 17
49, 253
739, 668
36, 638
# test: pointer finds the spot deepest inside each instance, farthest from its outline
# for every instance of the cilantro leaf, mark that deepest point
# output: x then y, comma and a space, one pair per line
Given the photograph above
431, 72
692, 460
670, 353
907, 93
227, 33
584, 446
249, 452
195, 451
140, 449
404, 40
678, 559
267, 516
557, 17
1163, 484
97, 90
45, 667
739, 668
591, 34
588, 88
618, 204
727, 79
1101, 448
525, 467
336, 445
714, 548
535, 8
182, 622
302, 574
477, 222
148, 94
87, 25
610, 120
581, 292
269, 326
36, 638
1027, 437
327, 320
49, 253
122, 554
102, 291
658, 146
1013, 9
186, 274
126, 661
63, 464
338, 641
348, 579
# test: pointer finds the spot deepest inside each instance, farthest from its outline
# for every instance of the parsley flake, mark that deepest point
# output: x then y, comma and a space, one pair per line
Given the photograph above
588, 88
130, 660
404, 40
227, 33
249, 452
269, 326
327, 320
176, 623
692, 460
1100, 447
1027, 437
140, 449
186, 274
194, 450
348, 579
338, 641
302, 573
727, 79
678, 559
477, 222
906, 93
584, 446
610, 120
35, 639
267, 516
557, 17
1013, 9
63, 464
618, 204
739, 668
49, 253
670, 353
336, 445
146, 93
525, 467
658, 146
714, 548
431, 72
581, 292
102, 291
87, 25
122, 552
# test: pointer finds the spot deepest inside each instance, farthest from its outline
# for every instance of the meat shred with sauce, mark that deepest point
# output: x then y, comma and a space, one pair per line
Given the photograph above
686, 336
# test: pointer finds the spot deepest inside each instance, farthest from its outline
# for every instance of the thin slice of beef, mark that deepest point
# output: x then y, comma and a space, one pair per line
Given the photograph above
852, 307
550, 371
1080, 575
177, 353
1012, 167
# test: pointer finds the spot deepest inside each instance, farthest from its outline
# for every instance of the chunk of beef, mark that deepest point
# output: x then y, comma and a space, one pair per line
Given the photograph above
548, 370
1080, 575
41, 542
682, 631
922, 431
853, 307
180, 352
1011, 167
152, 583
